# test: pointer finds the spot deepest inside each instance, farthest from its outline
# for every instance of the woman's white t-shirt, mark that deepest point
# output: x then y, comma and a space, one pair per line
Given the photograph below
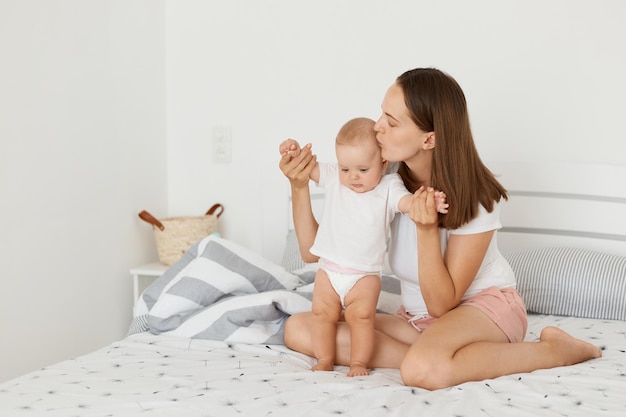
494, 271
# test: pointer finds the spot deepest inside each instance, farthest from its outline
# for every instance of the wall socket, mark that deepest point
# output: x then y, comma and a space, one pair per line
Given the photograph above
222, 144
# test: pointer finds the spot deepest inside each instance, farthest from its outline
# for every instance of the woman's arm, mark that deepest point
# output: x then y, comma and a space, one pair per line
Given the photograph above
444, 279
298, 170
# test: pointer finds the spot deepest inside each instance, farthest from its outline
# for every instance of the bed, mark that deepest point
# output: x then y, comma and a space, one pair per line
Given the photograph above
206, 339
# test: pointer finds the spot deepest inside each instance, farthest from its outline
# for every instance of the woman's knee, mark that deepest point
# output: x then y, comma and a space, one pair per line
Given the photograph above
426, 371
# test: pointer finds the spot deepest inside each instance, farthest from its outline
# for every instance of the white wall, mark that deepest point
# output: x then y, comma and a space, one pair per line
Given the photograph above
543, 79
82, 151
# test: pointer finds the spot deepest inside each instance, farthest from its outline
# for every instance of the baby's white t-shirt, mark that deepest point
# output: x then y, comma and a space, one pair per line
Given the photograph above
354, 228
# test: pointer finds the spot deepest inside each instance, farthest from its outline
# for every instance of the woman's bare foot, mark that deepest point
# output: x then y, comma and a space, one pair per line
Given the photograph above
358, 370
568, 349
323, 366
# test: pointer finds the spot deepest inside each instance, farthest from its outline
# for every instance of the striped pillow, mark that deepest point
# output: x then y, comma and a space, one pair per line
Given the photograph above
292, 260
571, 282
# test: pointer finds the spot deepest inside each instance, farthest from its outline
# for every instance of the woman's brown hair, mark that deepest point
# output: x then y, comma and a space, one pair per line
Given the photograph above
437, 104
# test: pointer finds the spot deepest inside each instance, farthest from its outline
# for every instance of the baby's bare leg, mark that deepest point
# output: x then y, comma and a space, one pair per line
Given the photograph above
360, 312
326, 313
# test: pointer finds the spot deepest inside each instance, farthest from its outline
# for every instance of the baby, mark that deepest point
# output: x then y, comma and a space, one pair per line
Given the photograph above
361, 201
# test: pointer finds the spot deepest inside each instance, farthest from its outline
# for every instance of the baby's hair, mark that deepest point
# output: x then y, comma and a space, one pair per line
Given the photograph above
356, 132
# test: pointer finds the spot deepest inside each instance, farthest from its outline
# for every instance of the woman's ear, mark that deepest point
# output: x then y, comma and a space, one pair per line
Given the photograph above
429, 142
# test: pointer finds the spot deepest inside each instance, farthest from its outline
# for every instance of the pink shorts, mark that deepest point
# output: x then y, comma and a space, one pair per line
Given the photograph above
504, 306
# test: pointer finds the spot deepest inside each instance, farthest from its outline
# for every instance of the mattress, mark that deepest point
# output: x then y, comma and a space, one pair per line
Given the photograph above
164, 375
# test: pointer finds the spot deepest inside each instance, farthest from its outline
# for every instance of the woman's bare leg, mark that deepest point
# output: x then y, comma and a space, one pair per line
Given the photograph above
465, 345
390, 346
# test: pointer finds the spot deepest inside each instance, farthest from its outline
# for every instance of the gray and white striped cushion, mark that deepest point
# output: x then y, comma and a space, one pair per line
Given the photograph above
571, 282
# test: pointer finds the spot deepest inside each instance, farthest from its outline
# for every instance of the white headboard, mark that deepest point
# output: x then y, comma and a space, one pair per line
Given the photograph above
563, 204
554, 204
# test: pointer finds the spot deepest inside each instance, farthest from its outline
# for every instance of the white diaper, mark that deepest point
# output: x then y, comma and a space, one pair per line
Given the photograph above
343, 282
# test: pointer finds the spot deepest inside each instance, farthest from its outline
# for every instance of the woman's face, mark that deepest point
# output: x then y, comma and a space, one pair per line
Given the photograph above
398, 136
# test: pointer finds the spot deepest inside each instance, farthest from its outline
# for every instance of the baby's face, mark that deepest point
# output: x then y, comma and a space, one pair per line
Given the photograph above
360, 167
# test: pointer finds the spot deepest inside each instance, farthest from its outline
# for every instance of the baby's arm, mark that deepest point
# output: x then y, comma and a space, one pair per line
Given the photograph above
440, 202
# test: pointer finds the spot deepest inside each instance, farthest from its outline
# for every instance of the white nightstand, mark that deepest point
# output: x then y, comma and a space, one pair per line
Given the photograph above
150, 271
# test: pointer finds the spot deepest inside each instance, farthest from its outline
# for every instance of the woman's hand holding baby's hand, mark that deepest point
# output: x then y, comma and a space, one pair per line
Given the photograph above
289, 147
426, 204
297, 168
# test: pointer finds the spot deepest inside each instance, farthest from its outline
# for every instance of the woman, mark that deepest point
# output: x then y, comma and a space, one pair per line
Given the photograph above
461, 319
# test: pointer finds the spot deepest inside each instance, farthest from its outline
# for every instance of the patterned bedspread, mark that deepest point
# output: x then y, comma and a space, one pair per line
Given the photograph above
159, 375
207, 341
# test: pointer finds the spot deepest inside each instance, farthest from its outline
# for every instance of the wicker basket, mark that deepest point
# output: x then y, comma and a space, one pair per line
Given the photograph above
175, 235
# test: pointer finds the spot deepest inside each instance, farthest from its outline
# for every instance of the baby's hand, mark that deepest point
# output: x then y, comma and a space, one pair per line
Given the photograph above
289, 147
440, 202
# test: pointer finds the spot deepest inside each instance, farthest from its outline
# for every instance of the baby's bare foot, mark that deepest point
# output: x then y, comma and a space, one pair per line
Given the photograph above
323, 366
358, 370
569, 349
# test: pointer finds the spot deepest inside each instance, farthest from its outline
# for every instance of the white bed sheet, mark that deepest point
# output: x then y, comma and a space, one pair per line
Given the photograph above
148, 375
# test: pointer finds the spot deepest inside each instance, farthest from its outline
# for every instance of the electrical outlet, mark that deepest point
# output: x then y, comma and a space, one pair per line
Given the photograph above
221, 144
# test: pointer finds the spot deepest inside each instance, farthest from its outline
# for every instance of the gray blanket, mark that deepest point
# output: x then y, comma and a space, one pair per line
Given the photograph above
222, 291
